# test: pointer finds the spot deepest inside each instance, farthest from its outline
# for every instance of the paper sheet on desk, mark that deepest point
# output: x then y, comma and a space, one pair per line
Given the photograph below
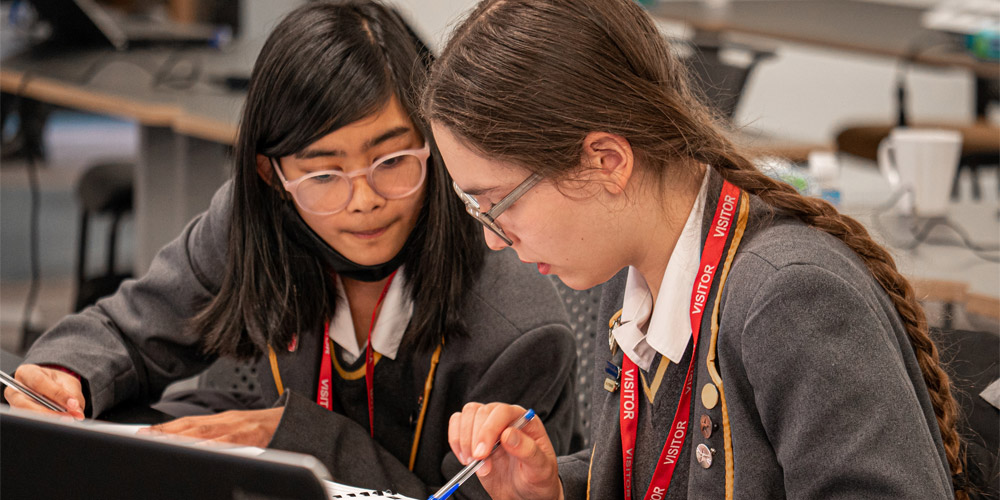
337, 490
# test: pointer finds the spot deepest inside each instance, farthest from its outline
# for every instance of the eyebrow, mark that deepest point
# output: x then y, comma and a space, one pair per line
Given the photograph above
371, 143
478, 191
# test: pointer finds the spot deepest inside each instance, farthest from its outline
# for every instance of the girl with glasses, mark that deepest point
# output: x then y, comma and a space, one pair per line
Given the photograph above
760, 345
340, 258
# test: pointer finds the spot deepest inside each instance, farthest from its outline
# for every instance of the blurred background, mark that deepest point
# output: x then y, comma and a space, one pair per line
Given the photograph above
118, 116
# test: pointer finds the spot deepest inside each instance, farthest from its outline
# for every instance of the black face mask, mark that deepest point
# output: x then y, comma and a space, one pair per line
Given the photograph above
301, 233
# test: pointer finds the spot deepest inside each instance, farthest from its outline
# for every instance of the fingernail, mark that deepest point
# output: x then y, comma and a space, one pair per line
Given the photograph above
480, 450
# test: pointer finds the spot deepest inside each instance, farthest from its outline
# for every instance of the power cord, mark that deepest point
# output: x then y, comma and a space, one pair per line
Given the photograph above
921, 229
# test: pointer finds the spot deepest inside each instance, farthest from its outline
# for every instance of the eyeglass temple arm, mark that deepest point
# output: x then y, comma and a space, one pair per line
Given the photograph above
513, 196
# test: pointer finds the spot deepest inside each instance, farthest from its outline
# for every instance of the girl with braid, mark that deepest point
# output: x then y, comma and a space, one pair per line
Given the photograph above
761, 345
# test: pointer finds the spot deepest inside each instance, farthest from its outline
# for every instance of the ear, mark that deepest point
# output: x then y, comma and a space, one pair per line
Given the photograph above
264, 168
611, 159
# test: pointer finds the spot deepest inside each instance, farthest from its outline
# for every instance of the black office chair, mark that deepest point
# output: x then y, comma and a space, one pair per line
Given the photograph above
104, 189
721, 83
583, 307
970, 358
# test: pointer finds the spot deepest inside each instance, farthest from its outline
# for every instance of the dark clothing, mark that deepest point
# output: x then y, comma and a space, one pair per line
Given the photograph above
130, 346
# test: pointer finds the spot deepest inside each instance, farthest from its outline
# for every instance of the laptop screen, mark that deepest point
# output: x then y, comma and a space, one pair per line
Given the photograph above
44, 458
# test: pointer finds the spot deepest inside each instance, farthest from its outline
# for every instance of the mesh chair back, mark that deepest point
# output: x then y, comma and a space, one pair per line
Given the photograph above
230, 375
583, 308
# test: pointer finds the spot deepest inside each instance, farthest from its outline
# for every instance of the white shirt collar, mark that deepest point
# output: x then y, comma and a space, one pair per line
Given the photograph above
669, 329
397, 308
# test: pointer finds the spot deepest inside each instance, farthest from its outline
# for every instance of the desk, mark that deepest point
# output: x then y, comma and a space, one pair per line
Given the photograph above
940, 270
852, 25
185, 134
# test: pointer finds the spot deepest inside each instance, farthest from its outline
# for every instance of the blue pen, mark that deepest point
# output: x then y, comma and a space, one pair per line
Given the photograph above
471, 469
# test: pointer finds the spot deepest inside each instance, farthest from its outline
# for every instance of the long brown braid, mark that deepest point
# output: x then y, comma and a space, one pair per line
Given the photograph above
559, 69
821, 215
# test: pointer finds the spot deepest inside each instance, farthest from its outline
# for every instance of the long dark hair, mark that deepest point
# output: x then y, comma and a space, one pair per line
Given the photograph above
559, 69
326, 65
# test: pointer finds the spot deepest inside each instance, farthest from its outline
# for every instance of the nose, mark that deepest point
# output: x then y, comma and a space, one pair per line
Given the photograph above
364, 198
493, 241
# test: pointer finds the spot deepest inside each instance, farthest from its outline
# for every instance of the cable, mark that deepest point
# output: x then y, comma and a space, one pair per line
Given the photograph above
920, 236
920, 231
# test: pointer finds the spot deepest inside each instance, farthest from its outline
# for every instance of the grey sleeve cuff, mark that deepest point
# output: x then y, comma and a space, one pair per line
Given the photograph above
573, 470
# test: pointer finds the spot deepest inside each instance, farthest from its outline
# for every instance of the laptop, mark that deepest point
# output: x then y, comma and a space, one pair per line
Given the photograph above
49, 458
84, 22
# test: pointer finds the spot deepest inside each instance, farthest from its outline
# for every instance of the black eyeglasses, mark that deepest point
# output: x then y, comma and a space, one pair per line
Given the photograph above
489, 217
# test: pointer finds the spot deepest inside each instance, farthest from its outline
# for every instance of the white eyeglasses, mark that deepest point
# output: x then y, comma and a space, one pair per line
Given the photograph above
393, 176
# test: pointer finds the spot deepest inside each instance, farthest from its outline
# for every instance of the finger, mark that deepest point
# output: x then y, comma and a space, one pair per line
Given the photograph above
18, 399
499, 418
58, 386
74, 408
481, 449
485, 469
454, 423
465, 431
175, 426
537, 464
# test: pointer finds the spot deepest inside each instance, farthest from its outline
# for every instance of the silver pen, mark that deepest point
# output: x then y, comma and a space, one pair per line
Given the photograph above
471, 469
40, 399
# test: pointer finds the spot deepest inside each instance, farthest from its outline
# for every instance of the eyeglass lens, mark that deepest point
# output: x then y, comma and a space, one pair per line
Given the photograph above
393, 178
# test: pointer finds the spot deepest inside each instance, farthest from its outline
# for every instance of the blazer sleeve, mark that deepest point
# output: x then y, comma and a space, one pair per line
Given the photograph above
833, 393
573, 470
132, 344
535, 371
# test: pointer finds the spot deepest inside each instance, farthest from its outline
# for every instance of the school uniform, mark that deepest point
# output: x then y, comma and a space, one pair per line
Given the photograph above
520, 350
807, 388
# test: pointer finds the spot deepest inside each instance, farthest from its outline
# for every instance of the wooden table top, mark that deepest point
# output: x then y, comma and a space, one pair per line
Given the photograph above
851, 25
121, 84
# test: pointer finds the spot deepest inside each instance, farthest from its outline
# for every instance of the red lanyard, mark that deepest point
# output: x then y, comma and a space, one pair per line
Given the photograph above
628, 410
326, 368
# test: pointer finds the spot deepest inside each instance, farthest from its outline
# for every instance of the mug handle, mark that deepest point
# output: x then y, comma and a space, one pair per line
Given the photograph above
887, 163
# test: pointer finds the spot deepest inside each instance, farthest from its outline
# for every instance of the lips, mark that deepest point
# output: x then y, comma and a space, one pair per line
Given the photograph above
369, 233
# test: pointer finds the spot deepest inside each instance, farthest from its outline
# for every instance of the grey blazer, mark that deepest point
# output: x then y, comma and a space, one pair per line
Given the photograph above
824, 395
131, 345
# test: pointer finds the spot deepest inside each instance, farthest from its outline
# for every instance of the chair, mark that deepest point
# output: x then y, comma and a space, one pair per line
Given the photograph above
104, 189
970, 358
721, 83
230, 375
583, 307
228, 384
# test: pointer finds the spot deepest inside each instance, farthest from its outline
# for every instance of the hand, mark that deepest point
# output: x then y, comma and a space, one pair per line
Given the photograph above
57, 385
243, 427
525, 464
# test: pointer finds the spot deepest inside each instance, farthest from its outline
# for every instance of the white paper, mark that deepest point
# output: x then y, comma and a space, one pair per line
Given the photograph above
337, 490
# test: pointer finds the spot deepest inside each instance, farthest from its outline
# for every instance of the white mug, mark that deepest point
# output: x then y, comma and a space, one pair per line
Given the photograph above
923, 163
